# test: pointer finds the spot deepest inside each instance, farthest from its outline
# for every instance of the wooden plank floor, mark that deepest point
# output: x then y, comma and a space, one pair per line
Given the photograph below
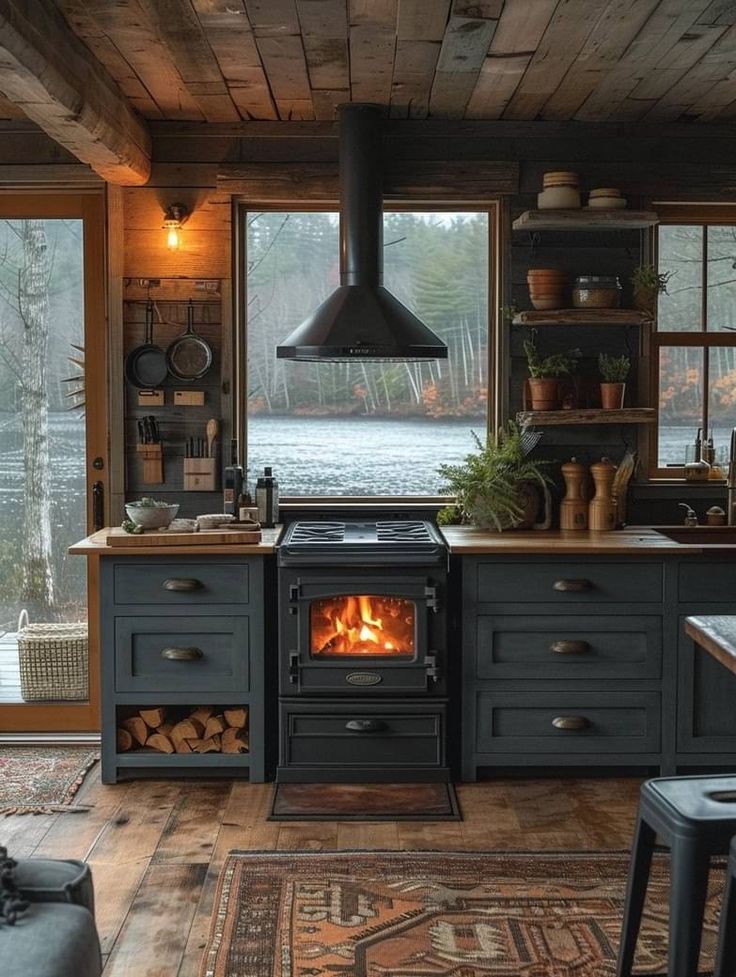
156, 847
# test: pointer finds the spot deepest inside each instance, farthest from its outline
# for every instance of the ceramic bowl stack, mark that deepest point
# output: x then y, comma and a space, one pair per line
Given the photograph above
546, 288
606, 198
561, 191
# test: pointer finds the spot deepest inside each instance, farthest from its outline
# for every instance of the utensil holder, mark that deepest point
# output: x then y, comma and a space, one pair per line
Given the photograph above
200, 474
153, 463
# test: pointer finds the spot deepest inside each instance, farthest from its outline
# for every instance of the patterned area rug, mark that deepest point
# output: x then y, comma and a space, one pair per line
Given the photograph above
43, 779
434, 914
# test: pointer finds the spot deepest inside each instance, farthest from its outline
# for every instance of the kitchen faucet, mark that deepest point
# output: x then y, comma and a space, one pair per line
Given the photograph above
731, 480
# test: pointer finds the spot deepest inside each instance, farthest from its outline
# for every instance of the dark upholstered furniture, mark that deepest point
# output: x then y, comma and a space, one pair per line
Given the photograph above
56, 936
696, 818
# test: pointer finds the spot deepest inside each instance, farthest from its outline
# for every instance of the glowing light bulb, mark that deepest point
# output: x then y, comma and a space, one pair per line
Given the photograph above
172, 238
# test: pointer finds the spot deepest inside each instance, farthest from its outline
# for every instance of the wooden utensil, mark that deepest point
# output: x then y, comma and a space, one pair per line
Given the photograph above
213, 429
574, 506
602, 509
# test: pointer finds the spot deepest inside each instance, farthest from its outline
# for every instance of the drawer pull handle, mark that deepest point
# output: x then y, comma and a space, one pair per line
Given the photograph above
182, 585
365, 725
182, 654
570, 647
570, 722
572, 586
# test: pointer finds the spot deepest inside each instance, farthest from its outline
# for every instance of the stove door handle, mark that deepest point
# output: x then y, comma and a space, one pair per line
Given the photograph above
433, 603
365, 725
293, 667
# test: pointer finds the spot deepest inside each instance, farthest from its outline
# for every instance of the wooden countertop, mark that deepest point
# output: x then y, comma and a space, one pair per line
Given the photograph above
467, 540
96, 545
716, 633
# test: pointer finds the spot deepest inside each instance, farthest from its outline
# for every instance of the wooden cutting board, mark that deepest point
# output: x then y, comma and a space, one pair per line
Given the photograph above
205, 537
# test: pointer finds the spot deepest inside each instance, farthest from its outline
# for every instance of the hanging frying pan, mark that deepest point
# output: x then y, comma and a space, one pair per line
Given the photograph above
145, 366
189, 357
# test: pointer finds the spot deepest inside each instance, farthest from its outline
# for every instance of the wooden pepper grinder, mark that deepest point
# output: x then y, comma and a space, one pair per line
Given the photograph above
602, 509
574, 507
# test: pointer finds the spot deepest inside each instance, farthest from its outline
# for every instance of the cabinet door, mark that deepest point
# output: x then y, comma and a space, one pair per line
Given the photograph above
706, 701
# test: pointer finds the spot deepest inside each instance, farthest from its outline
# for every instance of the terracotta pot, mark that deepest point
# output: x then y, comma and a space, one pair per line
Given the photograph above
645, 300
612, 396
544, 393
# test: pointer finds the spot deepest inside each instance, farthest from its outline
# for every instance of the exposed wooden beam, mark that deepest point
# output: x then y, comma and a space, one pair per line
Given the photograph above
48, 72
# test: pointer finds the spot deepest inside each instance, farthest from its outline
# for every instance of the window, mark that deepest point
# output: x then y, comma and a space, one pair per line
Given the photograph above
694, 345
364, 429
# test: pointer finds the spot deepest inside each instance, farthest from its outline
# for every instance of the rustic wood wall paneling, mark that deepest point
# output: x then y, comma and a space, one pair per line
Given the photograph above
115, 270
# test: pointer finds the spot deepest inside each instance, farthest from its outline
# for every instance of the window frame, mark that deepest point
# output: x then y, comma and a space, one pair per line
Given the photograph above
694, 215
496, 347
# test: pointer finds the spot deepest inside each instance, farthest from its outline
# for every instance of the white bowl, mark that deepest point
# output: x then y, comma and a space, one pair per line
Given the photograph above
150, 516
558, 198
606, 203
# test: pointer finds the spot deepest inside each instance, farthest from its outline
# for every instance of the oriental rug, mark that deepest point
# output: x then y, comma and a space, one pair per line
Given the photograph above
435, 914
43, 779
364, 802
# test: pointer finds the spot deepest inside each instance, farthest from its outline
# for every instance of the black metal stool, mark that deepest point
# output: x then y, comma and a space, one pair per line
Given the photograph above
726, 955
696, 818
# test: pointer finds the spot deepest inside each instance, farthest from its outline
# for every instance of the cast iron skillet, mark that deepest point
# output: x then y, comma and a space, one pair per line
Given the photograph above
189, 357
145, 366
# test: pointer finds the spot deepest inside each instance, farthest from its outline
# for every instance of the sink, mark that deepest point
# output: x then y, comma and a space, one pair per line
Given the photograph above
701, 535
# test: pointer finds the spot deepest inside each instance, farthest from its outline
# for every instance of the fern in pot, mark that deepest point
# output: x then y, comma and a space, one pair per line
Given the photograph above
613, 370
648, 284
545, 374
499, 486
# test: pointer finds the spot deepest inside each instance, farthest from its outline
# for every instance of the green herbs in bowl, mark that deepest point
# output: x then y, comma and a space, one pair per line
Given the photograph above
151, 513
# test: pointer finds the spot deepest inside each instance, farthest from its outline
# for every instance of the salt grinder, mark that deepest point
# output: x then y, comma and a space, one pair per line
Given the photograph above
602, 509
574, 506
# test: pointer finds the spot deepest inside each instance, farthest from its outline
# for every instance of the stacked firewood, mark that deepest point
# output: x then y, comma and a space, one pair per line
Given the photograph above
202, 731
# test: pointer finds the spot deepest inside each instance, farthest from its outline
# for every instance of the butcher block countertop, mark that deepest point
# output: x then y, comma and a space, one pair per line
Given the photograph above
465, 540
716, 633
96, 545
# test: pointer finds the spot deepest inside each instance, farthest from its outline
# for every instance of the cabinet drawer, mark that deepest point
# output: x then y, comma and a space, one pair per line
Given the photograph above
572, 646
182, 654
570, 583
356, 738
605, 722
181, 583
705, 582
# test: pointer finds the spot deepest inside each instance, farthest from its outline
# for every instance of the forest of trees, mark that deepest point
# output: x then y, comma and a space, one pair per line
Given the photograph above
437, 264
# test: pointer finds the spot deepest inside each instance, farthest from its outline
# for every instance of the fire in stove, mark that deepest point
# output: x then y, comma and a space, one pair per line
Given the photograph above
362, 626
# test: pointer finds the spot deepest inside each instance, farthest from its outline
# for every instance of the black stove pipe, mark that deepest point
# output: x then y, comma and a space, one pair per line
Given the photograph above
361, 199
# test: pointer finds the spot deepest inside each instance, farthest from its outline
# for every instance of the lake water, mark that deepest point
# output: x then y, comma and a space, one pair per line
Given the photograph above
377, 456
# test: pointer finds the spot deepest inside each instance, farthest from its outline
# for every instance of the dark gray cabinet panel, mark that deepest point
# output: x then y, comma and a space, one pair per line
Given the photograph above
148, 654
569, 582
568, 646
708, 581
534, 722
180, 583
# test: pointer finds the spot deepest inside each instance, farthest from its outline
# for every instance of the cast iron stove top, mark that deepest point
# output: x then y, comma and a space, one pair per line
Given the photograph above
355, 542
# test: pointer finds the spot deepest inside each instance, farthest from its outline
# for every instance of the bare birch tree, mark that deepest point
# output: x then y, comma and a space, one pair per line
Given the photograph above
37, 588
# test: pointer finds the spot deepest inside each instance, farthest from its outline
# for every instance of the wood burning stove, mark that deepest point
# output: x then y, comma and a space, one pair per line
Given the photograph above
362, 651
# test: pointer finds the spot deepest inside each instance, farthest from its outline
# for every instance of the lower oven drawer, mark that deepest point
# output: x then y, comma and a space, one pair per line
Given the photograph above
568, 722
356, 737
182, 654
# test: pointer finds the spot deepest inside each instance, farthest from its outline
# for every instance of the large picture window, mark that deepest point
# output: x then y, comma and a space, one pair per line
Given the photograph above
364, 429
694, 345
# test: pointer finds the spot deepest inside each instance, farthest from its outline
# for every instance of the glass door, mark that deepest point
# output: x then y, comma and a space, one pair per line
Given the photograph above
53, 456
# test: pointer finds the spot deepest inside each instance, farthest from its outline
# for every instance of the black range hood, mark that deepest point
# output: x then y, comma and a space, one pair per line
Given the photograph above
361, 320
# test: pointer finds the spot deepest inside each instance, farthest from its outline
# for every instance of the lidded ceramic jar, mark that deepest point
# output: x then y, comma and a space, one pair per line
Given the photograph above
596, 292
561, 191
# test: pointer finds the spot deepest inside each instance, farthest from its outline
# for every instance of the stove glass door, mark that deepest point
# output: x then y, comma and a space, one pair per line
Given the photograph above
360, 626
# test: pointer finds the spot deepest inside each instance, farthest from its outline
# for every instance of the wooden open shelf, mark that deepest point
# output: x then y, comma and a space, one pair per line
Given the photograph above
582, 317
594, 415
582, 219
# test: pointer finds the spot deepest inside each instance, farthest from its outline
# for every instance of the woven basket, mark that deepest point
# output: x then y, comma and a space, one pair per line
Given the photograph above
53, 660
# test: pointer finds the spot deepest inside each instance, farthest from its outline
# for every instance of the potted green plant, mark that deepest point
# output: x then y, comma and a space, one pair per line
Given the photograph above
648, 284
613, 370
499, 486
545, 374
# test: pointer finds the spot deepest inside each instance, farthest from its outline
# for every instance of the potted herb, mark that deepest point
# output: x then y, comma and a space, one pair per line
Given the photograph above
648, 284
613, 370
497, 487
545, 374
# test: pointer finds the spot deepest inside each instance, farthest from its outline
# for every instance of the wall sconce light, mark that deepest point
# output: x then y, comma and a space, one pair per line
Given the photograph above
174, 216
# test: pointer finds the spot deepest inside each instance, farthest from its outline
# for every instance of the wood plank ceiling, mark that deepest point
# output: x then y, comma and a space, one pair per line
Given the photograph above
596, 60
